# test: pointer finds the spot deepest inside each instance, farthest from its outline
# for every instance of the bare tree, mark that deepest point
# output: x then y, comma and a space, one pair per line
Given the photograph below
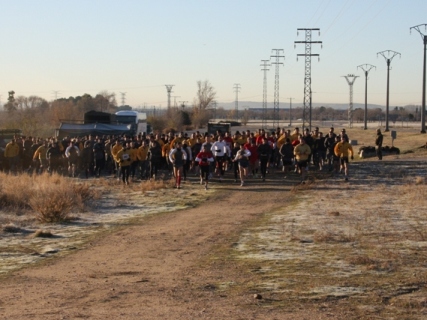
203, 101
205, 95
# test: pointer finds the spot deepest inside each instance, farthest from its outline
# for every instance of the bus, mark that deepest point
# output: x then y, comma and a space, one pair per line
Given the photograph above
138, 120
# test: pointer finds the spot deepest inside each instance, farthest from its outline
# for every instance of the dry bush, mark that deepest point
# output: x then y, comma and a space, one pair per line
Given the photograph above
157, 184
52, 197
42, 234
420, 180
84, 191
51, 205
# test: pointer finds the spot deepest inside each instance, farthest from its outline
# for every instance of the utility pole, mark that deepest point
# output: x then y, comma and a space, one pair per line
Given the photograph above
215, 105
123, 98
366, 68
290, 111
423, 107
182, 104
388, 56
55, 94
236, 108
264, 65
307, 78
276, 86
351, 78
169, 91
174, 100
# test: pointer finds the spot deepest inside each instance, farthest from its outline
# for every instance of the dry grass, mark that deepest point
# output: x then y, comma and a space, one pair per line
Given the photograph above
42, 234
51, 197
366, 238
156, 185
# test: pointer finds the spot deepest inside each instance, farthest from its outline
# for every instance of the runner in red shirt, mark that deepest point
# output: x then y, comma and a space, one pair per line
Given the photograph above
253, 158
204, 158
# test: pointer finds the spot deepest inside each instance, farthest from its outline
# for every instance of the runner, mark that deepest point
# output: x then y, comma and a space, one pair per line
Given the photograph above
302, 152
287, 153
72, 153
342, 150
264, 153
242, 158
124, 160
220, 151
178, 157
204, 158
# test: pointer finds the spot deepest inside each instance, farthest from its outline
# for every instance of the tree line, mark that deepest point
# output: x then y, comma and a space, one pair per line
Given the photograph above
37, 117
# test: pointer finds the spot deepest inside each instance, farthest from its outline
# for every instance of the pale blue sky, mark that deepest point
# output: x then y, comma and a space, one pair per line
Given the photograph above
86, 46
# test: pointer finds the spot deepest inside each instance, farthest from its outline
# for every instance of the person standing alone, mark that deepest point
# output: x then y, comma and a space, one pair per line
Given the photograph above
379, 144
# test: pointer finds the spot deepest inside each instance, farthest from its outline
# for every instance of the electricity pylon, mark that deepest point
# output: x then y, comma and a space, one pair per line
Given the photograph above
276, 87
236, 103
351, 78
264, 66
366, 68
307, 78
169, 91
423, 108
388, 56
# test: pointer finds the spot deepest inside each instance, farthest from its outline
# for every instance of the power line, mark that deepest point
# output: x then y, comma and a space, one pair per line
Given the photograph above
307, 78
366, 68
388, 56
423, 107
276, 86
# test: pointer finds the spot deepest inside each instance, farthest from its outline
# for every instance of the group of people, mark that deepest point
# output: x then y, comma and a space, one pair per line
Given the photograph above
244, 153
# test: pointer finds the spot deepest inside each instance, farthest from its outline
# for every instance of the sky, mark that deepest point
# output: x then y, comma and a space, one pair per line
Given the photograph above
67, 48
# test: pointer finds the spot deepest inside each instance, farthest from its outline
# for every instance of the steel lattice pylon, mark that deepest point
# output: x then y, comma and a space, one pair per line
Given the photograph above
350, 80
276, 87
169, 91
307, 77
264, 66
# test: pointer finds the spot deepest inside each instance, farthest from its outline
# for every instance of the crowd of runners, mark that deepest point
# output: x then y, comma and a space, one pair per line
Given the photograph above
242, 154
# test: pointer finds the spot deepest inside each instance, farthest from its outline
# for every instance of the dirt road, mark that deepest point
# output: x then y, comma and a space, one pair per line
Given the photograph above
165, 266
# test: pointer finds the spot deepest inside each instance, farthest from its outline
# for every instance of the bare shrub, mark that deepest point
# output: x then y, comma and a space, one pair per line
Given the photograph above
51, 205
420, 180
42, 234
85, 192
52, 197
157, 184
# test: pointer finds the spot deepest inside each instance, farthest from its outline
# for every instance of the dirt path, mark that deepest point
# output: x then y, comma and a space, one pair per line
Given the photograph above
159, 267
